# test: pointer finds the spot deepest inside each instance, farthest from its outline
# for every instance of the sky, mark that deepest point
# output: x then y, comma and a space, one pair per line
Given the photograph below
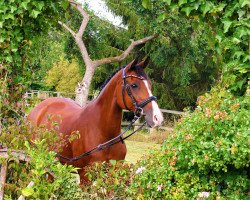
101, 10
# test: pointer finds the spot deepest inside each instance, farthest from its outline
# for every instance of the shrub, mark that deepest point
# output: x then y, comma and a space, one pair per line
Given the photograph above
42, 164
206, 157
64, 76
108, 180
17, 134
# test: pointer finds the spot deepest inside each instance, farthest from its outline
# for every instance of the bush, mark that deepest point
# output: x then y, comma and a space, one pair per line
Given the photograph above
207, 157
108, 180
39, 169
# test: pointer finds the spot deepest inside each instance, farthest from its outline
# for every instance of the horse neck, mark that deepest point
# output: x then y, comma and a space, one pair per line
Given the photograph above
109, 111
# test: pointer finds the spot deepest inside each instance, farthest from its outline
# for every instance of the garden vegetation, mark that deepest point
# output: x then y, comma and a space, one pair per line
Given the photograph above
203, 50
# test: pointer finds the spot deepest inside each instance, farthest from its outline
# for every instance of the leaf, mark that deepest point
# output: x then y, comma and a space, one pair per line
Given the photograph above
9, 58
1, 24
236, 40
27, 191
181, 2
242, 31
161, 17
39, 5
238, 54
113, 162
173, 7
65, 4
240, 83
246, 58
13, 9
227, 25
187, 10
34, 13
24, 4
208, 6
221, 6
167, 1
147, 4
244, 3
9, 16
241, 13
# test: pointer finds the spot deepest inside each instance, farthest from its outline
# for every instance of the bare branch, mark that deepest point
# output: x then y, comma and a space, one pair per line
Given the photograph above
78, 36
84, 21
125, 53
67, 28
85, 16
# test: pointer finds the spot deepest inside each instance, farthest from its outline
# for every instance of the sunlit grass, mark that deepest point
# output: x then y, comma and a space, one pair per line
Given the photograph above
136, 150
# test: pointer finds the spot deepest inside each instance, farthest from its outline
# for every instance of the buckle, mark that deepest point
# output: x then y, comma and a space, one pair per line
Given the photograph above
138, 112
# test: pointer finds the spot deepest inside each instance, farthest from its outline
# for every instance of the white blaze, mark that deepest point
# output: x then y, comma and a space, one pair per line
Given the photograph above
157, 117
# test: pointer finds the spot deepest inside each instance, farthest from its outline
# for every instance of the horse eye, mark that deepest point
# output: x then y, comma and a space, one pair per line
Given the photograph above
134, 85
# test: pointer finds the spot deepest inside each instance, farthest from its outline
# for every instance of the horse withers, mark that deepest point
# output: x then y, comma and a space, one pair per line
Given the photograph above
100, 121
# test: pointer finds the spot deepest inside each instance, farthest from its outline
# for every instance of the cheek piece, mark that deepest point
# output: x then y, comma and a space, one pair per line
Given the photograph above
138, 106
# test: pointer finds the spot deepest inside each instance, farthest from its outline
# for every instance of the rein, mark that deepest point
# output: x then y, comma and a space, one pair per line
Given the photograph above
137, 115
105, 145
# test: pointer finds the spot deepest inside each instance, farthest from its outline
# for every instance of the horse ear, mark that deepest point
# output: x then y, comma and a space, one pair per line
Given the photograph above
131, 65
144, 63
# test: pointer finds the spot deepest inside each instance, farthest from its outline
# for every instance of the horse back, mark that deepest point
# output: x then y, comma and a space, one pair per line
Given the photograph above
52, 109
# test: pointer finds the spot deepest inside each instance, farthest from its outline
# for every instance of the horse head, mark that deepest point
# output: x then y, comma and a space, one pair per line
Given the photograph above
134, 93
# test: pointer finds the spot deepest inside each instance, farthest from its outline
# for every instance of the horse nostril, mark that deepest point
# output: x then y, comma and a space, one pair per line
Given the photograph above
156, 118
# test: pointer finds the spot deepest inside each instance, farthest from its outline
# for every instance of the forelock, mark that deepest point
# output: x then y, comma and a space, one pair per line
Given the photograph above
140, 72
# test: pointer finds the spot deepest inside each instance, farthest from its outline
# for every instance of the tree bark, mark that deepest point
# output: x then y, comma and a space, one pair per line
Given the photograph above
82, 90
3, 174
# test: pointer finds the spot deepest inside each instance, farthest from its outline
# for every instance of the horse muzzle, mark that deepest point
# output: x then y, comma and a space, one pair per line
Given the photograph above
153, 115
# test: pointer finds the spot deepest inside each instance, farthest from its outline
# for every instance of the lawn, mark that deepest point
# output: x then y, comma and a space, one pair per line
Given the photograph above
136, 150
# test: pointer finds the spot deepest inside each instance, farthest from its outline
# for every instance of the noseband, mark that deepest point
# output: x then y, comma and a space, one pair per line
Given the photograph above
138, 106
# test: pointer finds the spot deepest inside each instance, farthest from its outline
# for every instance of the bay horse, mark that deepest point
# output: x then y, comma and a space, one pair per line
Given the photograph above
128, 88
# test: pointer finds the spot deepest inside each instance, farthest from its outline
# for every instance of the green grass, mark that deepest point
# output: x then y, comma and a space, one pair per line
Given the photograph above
136, 150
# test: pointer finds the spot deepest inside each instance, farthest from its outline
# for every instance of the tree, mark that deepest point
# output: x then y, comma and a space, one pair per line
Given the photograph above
64, 76
83, 89
233, 35
183, 57
20, 22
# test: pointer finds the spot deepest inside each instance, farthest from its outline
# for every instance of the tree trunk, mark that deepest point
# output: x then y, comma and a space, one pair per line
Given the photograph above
82, 90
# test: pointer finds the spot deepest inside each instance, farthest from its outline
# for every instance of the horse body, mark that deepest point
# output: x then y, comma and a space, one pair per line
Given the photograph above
96, 123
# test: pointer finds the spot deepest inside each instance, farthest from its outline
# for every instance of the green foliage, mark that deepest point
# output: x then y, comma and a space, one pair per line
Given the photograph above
42, 163
111, 181
20, 22
8, 110
207, 155
233, 35
184, 62
64, 76
19, 135
43, 53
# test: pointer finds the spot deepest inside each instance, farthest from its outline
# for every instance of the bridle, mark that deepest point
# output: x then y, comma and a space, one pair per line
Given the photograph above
137, 115
138, 106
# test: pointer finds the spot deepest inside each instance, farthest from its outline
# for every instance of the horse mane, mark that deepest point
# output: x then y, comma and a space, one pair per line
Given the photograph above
110, 77
139, 71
